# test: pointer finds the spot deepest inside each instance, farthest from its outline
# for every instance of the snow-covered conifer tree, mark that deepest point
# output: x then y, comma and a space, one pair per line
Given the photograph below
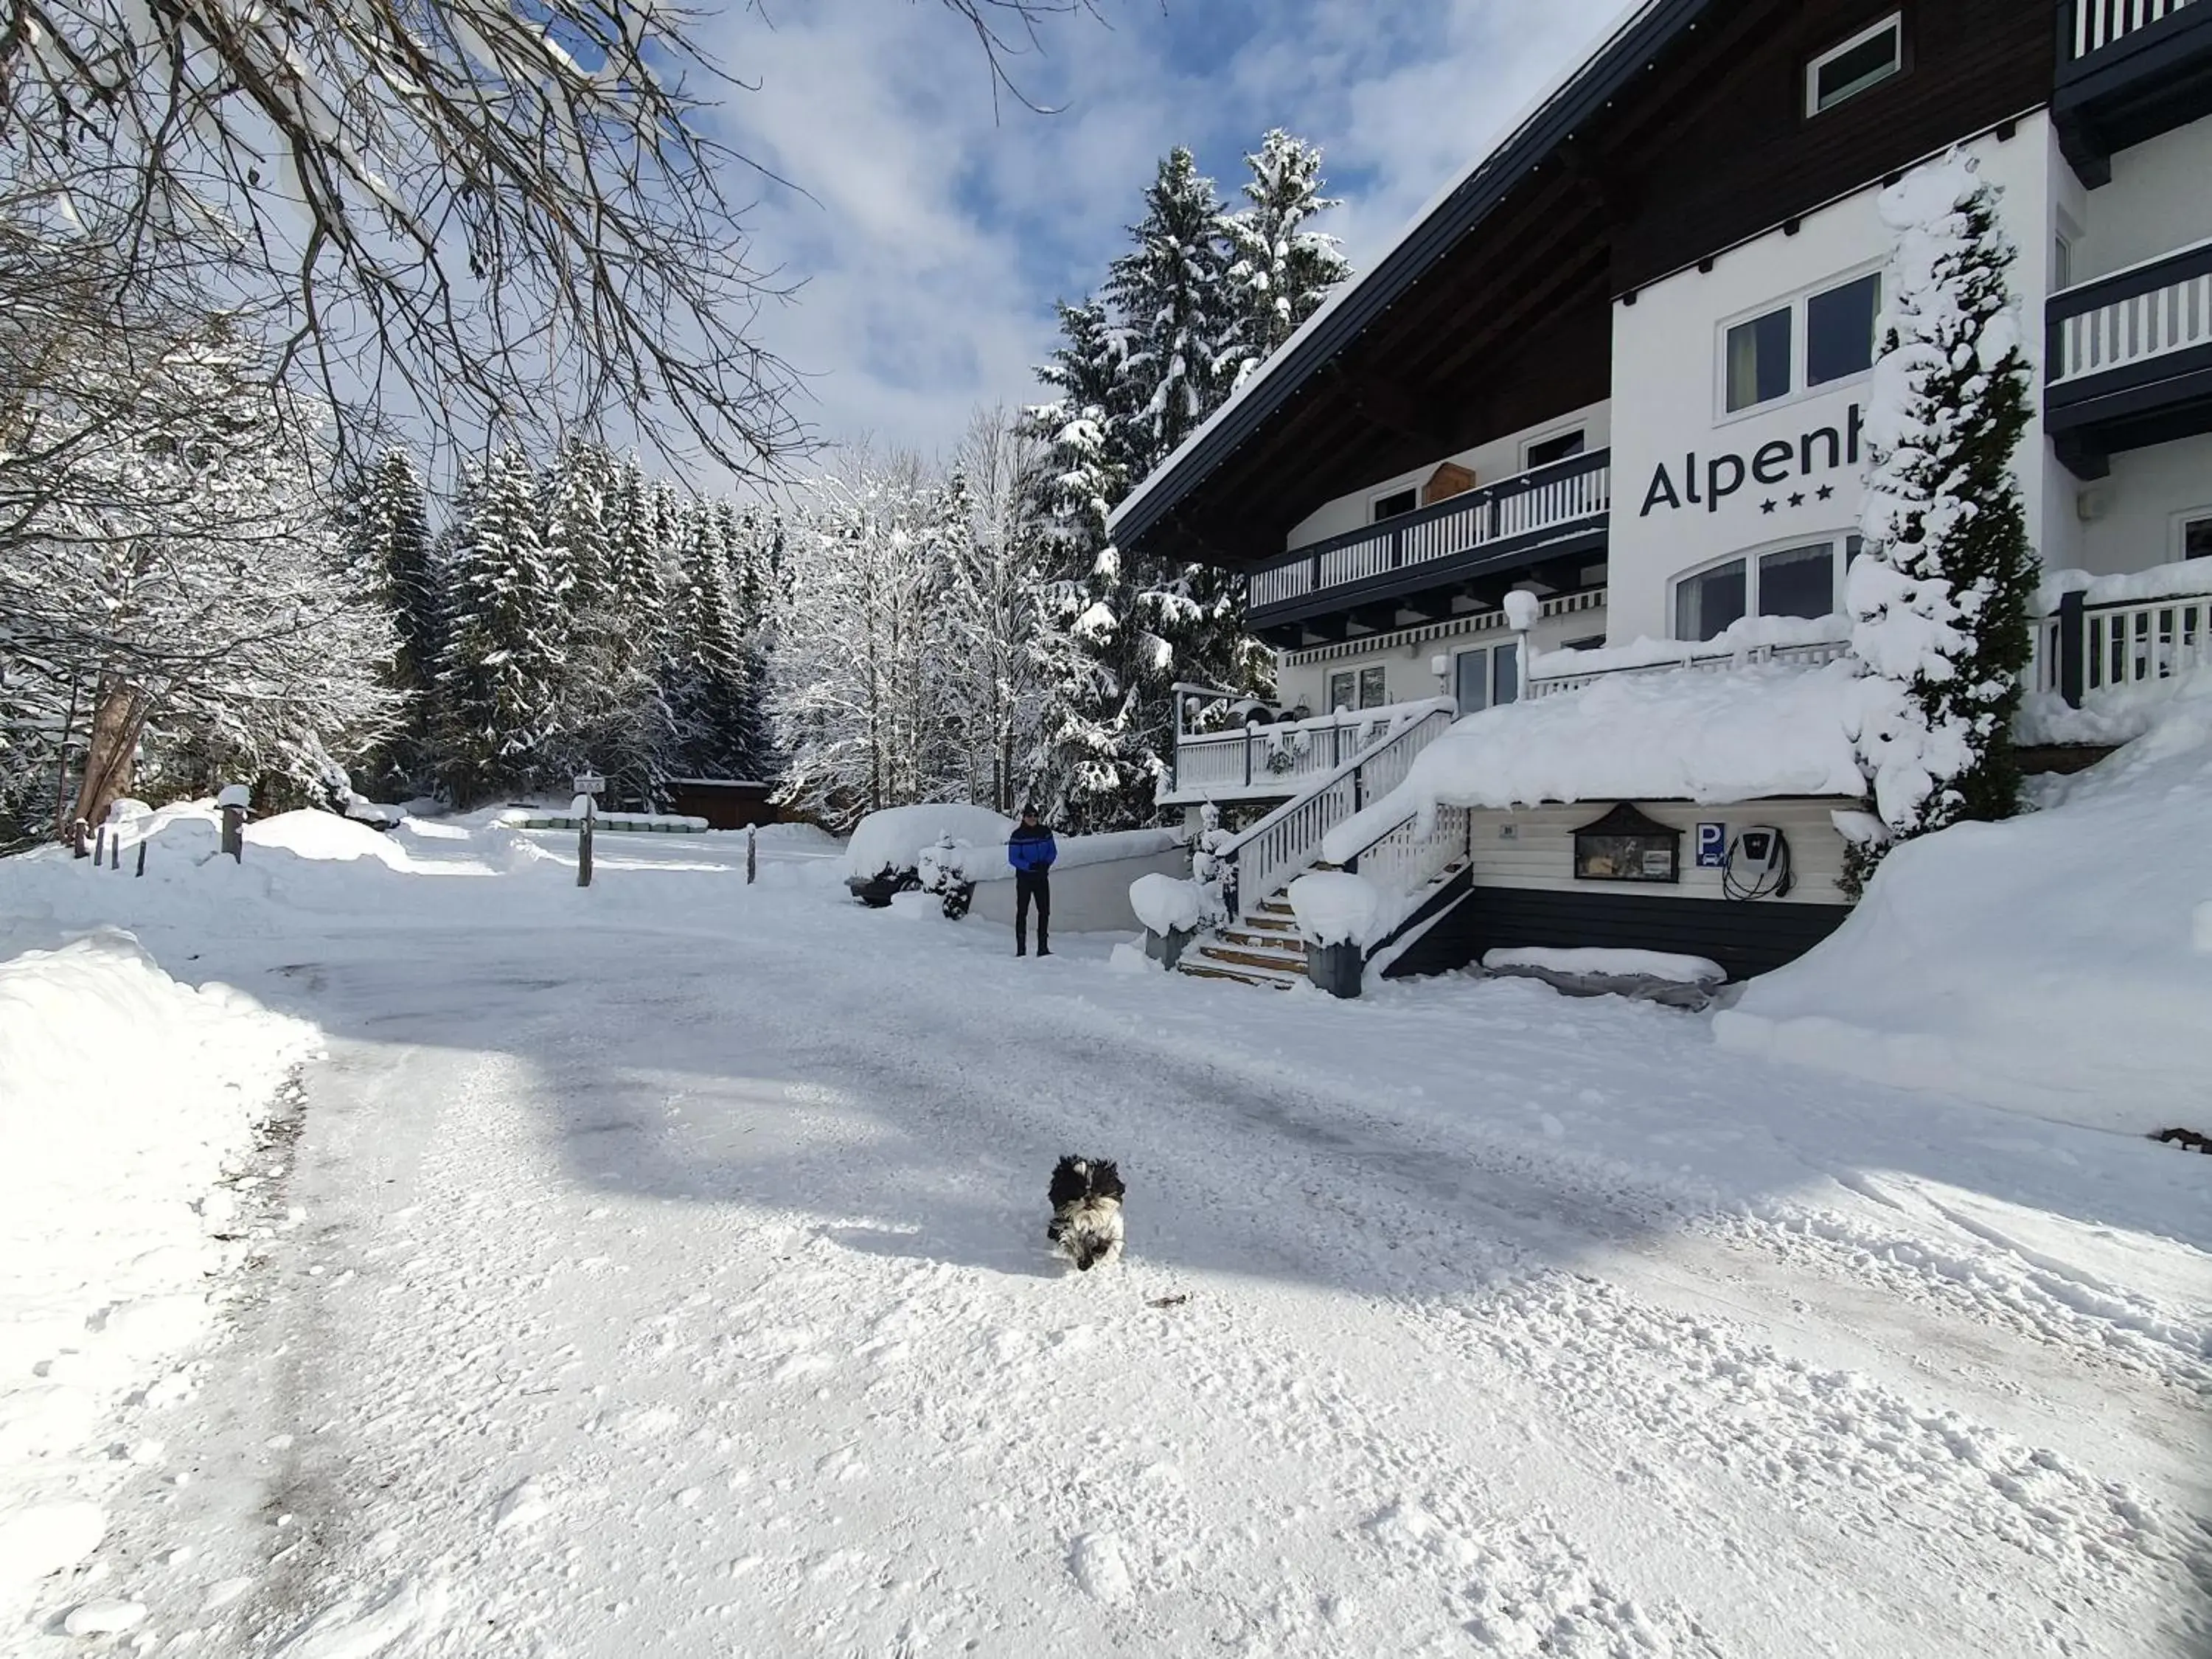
1173, 302
503, 658
993, 591
1279, 271
1941, 595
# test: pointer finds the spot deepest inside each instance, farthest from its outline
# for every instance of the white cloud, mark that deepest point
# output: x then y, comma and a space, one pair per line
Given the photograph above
933, 239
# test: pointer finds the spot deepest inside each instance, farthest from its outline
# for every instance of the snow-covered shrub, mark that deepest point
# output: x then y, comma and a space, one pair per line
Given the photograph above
1940, 596
1335, 907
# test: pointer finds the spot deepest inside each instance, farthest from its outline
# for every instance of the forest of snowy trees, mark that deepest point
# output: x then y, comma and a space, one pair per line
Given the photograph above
185, 606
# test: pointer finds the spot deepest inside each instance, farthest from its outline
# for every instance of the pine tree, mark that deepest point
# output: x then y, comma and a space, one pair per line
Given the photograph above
637, 565
707, 676
1279, 272
1174, 303
389, 542
1942, 592
503, 660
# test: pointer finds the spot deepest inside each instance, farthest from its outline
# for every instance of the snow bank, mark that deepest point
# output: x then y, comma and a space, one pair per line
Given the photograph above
1335, 907
126, 1097
2117, 715
1617, 965
1745, 635
2055, 964
2182, 579
323, 835
1166, 905
1746, 734
892, 840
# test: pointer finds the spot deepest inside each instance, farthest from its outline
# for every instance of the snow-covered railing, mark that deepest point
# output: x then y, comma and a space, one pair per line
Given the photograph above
1272, 758
2101, 23
1529, 506
1403, 860
2108, 633
1288, 840
2130, 319
1755, 640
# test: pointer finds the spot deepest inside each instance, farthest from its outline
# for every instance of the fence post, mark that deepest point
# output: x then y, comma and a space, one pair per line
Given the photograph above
141, 858
752, 852
584, 821
99, 846
2073, 631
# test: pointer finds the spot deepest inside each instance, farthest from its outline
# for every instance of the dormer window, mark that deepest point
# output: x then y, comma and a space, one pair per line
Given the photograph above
1850, 67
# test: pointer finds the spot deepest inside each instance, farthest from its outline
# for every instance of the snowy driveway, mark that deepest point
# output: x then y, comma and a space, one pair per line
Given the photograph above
674, 1284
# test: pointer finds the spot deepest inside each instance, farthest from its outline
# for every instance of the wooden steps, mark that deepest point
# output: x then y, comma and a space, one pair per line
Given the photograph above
1263, 949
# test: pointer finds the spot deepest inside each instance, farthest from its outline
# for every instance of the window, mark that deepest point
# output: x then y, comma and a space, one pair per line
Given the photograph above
1342, 692
2196, 537
1844, 70
1759, 360
1545, 451
2062, 264
1371, 689
1705, 603
1839, 331
1790, 581
1397, 501
1488, 678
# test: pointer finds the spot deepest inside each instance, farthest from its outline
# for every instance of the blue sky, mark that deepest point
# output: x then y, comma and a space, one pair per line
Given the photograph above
932, 235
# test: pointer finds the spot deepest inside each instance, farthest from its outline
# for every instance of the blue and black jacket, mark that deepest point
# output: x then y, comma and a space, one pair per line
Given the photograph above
1030, 849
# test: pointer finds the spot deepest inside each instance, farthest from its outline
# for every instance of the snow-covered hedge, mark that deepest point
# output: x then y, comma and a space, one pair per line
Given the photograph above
890, 842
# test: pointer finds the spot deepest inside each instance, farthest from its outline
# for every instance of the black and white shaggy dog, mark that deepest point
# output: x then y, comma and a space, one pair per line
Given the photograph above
1086, 1210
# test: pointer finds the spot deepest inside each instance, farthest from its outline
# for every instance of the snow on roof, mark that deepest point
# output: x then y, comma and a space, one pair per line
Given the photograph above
1740, 734
1623, 22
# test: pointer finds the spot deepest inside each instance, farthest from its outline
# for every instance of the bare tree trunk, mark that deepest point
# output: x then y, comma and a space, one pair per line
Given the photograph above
118, 719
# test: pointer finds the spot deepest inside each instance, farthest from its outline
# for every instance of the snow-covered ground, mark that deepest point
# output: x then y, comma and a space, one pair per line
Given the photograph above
670, 1279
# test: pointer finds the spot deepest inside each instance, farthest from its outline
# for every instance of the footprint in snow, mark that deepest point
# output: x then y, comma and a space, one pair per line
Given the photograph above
522, 1505
1099, 1567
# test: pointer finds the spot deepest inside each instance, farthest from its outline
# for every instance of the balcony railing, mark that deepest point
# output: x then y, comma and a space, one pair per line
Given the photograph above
2092, 647
2131, 320
1278, 760
1526, 509
2101, 23
1555, 671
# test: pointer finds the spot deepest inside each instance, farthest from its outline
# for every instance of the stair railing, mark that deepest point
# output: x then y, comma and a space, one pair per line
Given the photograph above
1287, 842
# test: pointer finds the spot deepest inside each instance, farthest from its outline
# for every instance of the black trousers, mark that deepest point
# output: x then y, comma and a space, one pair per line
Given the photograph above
1032, 884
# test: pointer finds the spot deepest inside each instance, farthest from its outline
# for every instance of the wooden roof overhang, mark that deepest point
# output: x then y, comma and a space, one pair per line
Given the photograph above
1491, 314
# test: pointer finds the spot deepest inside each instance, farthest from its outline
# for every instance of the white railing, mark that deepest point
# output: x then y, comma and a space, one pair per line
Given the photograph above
2134, 329
1404, 861
2099, 23
1546, 680
1549, 497
1287, 842
1271, 759
2124, 642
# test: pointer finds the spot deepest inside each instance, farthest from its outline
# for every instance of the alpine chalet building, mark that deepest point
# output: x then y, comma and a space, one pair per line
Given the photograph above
1621, 368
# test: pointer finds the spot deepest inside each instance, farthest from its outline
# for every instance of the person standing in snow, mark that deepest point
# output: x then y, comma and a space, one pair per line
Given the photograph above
1031, 851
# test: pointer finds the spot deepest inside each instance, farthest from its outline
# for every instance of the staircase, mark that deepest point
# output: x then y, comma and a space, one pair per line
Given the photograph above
1260, 949
1259, 944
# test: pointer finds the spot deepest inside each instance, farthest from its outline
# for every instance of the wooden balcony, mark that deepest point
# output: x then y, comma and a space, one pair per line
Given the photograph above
2129, 359
2128, 70
1442, 560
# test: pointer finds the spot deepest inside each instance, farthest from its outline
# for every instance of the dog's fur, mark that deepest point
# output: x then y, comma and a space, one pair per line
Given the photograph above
1086, 1210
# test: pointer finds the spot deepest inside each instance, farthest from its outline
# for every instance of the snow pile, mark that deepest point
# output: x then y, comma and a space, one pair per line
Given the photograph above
1748, 734
2117, 715
891, 841
1618, 964
2185, 579
1335, 907
320, 836
1740, 638
1167, 906
2056, 964
126, 1097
